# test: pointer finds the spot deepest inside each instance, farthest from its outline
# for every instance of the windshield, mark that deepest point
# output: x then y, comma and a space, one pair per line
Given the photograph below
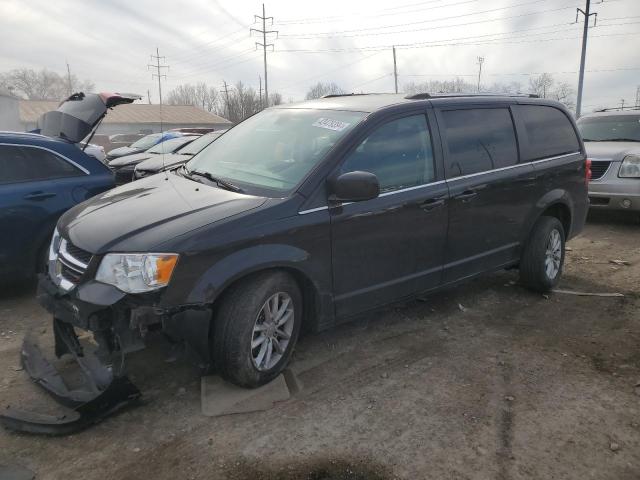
170, 146
274, 149
197, 145
147, 142
610, 128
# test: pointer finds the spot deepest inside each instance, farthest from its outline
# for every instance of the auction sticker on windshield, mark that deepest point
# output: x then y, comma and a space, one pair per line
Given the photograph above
329, 124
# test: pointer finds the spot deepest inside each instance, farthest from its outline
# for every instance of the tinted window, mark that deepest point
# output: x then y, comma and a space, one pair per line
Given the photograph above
547, 132
613, 128
399, 153
479, 140
21, 164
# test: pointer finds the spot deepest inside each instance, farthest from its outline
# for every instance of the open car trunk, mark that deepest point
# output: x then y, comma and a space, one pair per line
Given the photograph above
79, 114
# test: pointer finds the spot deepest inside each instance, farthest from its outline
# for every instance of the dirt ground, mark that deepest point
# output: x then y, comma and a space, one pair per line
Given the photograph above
483, 381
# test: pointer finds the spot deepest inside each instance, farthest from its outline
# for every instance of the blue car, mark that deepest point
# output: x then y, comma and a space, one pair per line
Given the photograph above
43, 175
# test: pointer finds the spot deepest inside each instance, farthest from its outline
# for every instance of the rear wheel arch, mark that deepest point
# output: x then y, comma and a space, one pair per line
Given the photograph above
562, 212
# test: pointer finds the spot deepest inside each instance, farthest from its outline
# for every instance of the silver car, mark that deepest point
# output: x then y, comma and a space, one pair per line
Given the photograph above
612, 140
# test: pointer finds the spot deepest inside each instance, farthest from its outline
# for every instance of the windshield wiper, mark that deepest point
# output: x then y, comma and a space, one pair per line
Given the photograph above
218, 181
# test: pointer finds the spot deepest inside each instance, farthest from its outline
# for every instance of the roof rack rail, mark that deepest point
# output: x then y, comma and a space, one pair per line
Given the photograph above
613, 109
424, 96
333, 95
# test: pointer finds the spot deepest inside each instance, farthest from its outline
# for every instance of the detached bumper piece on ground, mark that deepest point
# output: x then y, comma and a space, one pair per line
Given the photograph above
102, 394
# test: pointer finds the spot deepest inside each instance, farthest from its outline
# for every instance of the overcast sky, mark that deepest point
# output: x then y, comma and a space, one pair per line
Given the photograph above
348, 42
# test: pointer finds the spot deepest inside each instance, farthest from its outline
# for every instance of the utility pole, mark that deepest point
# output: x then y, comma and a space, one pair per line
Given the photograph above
260, 81
480, 62
158, 72
395, 68
226, 97
638, 97
69, 79
586, 13
264, 46
148, 97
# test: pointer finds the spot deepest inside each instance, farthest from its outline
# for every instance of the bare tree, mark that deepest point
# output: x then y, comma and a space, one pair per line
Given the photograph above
42, 84
242, 101
320, 89
565, 94
541, 85
275, 98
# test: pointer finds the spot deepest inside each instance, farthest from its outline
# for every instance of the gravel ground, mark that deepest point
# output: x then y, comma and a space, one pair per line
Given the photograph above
486, 380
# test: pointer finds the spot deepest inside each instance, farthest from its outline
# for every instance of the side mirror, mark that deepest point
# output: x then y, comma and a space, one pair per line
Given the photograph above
354, 187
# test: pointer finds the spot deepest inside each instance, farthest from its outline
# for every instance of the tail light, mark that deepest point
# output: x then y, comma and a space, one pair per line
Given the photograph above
587, 170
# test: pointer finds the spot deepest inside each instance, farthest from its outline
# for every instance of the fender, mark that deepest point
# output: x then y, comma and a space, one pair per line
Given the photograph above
553, 197
241, 263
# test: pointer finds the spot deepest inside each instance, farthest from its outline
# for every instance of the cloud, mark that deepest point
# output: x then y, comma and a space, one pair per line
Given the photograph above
109, 42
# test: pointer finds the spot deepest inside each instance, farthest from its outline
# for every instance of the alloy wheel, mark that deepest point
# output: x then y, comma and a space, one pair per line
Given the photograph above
553, 254
272, 331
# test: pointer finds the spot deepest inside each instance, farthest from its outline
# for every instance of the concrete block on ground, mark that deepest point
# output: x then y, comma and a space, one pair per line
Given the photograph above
223, 398
14, 472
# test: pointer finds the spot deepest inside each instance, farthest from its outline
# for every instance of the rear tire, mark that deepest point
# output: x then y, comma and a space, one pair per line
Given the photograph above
256, 328
543, 257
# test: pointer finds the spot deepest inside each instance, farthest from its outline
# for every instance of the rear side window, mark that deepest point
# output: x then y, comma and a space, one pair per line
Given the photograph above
24, 164
399, 153
478, 140
547, 132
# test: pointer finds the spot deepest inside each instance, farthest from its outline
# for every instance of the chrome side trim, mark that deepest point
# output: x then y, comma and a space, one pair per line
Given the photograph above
408, 189
57, 154
512, 166
386, 194
311, 210
542, 160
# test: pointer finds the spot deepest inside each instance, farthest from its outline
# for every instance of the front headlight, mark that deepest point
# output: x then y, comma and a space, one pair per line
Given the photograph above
137, 272
630, 167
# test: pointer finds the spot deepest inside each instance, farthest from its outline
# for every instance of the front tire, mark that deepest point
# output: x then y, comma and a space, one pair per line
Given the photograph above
543, 256
256, 329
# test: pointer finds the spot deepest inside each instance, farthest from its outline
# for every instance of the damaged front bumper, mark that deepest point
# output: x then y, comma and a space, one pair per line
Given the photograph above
102, 394
119, 324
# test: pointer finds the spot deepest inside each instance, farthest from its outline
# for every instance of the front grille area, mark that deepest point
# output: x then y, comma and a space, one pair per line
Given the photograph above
72, 262
599, 168
78, 253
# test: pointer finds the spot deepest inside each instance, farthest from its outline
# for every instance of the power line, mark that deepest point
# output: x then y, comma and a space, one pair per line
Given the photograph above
499, 74
341, 67
311, 20
159, 75
438, 27
407, 24
497, 41
199, 68
213, 44
264, 45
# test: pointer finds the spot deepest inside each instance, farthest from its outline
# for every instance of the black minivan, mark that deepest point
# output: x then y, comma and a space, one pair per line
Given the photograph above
306, 214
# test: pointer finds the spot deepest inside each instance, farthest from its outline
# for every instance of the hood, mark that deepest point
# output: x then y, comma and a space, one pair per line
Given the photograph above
138, 216
131, 159
76, 116
157, 163
122, 151
615, 151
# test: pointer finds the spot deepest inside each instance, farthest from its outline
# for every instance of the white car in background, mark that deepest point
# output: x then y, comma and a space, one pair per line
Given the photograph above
95, 151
